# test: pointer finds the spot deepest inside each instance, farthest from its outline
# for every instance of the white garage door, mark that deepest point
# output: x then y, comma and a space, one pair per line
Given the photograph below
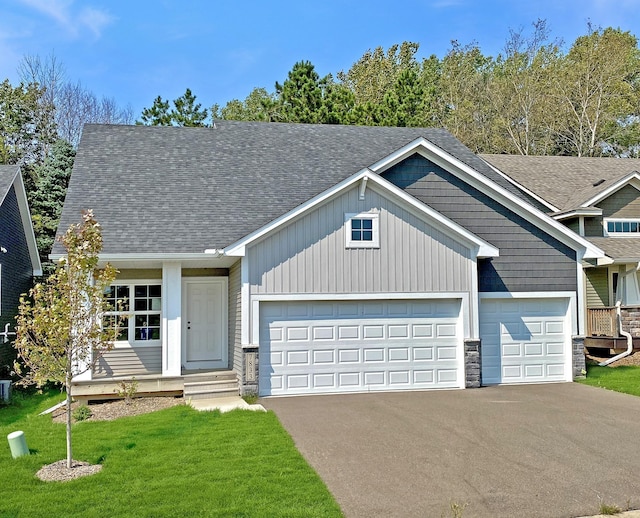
360, 346
525, 340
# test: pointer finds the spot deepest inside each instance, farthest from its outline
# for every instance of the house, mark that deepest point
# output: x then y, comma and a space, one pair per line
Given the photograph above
19, 259
599, 199
310, 259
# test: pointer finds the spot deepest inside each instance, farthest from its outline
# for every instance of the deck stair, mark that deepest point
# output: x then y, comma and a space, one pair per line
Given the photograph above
206, 385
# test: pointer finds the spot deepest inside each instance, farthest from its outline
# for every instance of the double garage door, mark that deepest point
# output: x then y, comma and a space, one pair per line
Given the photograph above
525, 340
315, 347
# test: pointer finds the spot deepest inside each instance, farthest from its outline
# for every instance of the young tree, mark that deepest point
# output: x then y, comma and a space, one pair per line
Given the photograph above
59, 331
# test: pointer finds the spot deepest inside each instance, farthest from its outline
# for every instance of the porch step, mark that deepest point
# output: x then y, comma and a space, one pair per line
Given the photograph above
211, 385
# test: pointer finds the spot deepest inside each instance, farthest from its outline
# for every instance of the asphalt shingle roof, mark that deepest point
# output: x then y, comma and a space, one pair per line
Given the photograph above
7, 174
176, 190
564, 181
620, 248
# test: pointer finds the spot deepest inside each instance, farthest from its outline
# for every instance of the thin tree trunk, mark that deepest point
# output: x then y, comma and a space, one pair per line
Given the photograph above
69, 452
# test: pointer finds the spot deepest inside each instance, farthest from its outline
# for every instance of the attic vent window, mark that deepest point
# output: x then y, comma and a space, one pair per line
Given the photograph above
362, 230
599, 182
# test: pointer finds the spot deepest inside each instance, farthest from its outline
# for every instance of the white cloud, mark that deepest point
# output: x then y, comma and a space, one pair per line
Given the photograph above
71, 17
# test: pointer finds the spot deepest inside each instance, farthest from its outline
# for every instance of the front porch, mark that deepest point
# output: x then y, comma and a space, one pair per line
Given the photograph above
191, 385
603, 330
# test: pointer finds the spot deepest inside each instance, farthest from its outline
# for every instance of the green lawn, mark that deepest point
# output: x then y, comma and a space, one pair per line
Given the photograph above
175, 463
621, 379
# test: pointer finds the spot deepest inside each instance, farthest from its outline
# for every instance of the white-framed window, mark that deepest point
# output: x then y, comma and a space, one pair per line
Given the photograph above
621, 227
362, 230
137, 312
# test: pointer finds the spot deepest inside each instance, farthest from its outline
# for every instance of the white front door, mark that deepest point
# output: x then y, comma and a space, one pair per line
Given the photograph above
204, 327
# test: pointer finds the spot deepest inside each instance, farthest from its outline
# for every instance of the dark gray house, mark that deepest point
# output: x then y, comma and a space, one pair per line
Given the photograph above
306, 259
599, 199
19, 259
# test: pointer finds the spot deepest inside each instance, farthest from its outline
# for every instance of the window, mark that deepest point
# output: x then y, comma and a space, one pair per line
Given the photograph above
362, 230
625, 227
136, 311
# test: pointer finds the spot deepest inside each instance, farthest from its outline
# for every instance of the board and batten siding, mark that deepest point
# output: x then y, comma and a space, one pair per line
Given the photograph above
624, 203
309, 255
235, 318
16, 270
530, 259
597, 287
129, 361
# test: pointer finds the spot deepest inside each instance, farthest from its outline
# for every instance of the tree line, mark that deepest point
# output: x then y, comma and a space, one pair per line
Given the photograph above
534, 98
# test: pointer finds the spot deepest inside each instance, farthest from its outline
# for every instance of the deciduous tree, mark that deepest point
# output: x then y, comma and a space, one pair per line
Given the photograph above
59, 328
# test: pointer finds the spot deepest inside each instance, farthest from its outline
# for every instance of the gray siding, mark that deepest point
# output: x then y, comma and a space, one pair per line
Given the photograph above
235, 320
573, 224
530, 259
597, 287
624, 203
129, 361
593, 227
310, 256
16, 269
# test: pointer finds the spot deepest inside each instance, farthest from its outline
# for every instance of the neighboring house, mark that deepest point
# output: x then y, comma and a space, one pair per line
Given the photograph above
311, 259
19, 259
598, 198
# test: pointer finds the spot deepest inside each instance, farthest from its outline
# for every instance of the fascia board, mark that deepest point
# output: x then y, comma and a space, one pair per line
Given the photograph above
487, 186
144, 257
613, 188
27, 224
480, 247
574, 213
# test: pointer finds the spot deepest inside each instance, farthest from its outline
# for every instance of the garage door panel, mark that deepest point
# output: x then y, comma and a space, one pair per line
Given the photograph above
360, 346
372, 332
534, 342
324, 356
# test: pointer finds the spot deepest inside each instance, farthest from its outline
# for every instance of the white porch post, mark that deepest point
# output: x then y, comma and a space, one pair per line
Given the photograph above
171, 318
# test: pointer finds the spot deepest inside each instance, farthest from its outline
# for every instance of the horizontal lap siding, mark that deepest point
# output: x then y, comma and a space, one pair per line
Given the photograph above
309, 255
16, 269
530, 259
130, 361
624, 203
235, 320
597, 287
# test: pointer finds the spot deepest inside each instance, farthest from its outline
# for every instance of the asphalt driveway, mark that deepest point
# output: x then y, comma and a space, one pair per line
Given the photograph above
553, 450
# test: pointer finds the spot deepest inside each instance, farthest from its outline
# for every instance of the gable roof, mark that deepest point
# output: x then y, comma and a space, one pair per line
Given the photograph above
480, 247
7, 176
186, 190
10, 177
566, 182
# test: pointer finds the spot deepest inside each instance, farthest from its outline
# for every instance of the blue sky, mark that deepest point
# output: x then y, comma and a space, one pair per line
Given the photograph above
134, 50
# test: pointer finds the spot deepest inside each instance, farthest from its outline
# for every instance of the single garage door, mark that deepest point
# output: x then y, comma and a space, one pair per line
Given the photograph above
525, 340
328, 347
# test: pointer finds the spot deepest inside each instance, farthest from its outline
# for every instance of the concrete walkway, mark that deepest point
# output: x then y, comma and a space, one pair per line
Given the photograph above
557, 450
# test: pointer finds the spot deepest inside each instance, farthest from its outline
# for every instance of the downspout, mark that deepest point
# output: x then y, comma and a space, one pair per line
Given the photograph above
623, 333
